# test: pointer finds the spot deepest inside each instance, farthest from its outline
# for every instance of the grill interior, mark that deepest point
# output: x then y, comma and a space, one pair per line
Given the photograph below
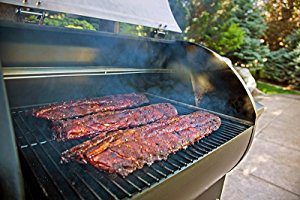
77, 181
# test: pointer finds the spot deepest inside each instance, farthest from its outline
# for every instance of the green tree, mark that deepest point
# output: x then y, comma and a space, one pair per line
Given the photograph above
212, 24
295, 66
277, 68
60, 19
283, 17
292, 40
283, 65
253, 52
138, 30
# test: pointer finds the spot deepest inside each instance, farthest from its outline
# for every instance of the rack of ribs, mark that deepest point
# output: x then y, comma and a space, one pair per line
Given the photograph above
125, 151
84, 107
101, 123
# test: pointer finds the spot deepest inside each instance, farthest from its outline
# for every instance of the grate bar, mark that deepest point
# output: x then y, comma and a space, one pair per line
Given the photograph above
194, 108
224, 137
176, 166
141, 179
201, 148
180, 161
55, 149
103, 186
132, 184
208, 144
98, 182
233, 125
58, 169
92, 191
40, 161
150, 175
201, 151
158, 171
195, 151
121, 188
86, 185
180, 153
165, 167
228, 133
218, 139
63, 175
213, 141
191, 154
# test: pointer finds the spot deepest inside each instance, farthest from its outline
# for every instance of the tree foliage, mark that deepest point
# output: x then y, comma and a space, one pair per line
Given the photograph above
253, 51
283, 16
283, 37
211, 24
292, 40
130, 29
295, 64
62, 20
284, 64
253, 54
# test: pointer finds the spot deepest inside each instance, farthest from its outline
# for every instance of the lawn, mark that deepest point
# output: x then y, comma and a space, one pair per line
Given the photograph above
274, 89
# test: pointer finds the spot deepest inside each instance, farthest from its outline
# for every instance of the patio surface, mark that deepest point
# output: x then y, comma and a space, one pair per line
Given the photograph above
271, 169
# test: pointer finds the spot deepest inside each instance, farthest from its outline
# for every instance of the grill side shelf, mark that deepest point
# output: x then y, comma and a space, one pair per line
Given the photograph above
77, 181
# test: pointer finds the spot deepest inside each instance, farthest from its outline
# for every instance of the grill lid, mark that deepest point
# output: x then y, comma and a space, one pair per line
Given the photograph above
156, 14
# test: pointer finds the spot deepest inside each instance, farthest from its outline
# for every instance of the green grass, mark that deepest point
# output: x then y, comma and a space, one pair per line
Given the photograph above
274, 89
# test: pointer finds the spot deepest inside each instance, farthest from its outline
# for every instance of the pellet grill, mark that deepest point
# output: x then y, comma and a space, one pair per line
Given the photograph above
43, 65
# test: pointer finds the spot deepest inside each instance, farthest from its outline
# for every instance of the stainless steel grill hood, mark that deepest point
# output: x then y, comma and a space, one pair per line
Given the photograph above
44, 64
151, 13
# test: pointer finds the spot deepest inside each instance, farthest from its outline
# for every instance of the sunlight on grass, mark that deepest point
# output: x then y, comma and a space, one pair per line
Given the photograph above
274, 89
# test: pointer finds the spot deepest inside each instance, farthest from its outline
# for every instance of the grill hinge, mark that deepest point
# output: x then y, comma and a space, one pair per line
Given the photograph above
160, 32
27, 11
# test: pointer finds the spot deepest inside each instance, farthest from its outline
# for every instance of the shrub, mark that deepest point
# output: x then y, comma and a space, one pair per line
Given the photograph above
283, 66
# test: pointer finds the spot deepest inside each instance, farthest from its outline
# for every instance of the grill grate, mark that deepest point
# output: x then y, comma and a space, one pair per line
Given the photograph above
76, 181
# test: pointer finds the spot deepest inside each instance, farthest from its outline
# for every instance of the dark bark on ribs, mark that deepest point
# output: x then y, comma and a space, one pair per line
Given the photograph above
100, 123
124, 151
88, 106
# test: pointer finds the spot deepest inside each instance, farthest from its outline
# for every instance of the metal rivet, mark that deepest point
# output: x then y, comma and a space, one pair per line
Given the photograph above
25, 1
38, 3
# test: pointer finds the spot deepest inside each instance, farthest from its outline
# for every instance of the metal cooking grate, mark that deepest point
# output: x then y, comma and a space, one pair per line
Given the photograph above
77, 181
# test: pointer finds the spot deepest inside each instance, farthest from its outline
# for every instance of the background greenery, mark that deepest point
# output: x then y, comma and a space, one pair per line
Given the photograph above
274, 89
262, 35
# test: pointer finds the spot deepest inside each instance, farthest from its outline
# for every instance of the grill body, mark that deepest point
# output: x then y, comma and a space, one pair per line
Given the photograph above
45, 65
